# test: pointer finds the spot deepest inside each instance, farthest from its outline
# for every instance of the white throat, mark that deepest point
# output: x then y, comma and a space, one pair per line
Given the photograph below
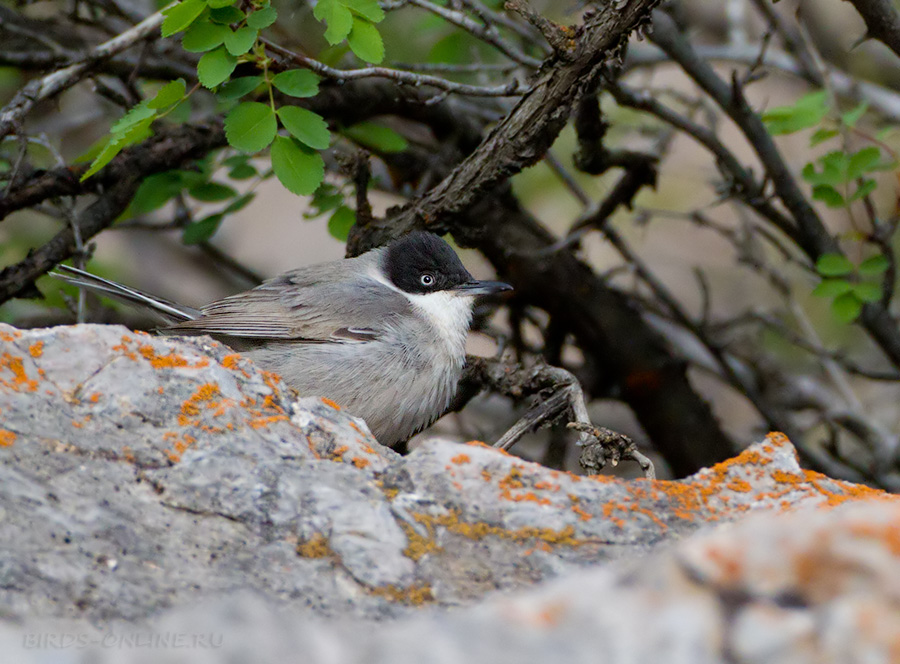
450, 313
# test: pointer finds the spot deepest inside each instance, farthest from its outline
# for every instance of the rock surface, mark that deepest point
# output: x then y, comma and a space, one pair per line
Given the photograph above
142, 475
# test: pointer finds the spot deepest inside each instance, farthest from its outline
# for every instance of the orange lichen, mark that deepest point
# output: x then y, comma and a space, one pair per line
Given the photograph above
739, 485
360, 462
7, 438
461, 459
338, 453
513, 480
582, 514
418, 545
479, 530
231, 361
529, 496
887, 533
36, 349
729, 562
329, 402
271, 380
414, 595
169, 361
262, 422
608, 510
20, 380
315, 547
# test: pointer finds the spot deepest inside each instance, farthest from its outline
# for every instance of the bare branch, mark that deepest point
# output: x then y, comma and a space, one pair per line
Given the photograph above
53, 84
882, 21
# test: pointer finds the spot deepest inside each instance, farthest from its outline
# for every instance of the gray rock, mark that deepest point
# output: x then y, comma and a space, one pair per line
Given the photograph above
167, 486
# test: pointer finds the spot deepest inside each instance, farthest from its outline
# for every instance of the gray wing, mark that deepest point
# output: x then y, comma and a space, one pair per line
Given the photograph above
324, 303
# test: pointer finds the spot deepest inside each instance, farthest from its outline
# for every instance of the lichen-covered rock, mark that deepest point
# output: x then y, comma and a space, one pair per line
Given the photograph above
139, 475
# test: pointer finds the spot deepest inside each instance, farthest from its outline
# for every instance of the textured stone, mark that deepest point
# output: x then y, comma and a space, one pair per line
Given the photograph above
141, 475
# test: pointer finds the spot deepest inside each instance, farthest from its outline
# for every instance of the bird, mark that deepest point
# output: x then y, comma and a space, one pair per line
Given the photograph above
382, 334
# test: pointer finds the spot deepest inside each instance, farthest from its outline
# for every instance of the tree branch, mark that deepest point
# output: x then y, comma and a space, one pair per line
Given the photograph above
523, 135
882, 21
53, 84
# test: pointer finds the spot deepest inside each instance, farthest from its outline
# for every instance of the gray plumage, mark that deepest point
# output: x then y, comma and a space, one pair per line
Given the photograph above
365, 332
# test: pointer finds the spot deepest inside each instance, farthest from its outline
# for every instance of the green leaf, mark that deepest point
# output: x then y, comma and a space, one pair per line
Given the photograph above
262, 18
134, 134
832, 288
326, 197
155, 191
337, 18
238, 87
850, 118
180, 113
822, 135
847, 307
365, 41
211, 192
863, 161
218, 4
226, 15
241, 40
866, 187
240, 167
807, 112
239, 203
215, 67
833, 265
376, 137
298, 168
874, 265
180, 16
203, 230
168, 94
193, 178
368, 9
250, 126
310, 128
828, 195
834, 169
203, 36
106, 155
242, 172
341, 222
136, 115
867, 291
297, 83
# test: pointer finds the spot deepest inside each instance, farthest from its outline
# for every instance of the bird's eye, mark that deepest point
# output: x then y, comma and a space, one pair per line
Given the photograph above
427, 280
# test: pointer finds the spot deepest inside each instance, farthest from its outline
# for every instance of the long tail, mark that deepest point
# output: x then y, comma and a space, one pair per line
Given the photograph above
171, 312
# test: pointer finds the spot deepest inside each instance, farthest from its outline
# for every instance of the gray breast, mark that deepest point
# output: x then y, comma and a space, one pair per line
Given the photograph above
390, 382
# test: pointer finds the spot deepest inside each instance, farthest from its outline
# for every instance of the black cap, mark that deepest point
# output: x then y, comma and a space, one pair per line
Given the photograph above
423, 263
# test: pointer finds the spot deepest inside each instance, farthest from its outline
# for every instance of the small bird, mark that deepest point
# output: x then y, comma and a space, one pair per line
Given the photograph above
382, 334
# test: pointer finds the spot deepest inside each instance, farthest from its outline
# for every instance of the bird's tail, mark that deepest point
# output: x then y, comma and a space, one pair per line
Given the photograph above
170, 312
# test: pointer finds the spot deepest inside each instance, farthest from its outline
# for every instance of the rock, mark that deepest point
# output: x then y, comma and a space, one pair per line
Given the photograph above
141, 475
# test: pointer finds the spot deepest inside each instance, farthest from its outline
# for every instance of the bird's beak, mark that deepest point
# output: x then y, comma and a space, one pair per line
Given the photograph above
482, 287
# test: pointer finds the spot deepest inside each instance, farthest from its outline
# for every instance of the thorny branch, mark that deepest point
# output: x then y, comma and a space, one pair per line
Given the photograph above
556, 394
